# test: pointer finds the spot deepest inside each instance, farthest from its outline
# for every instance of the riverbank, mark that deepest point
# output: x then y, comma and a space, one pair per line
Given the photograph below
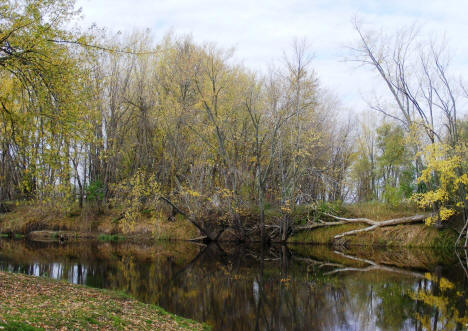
32, 303
413, 235
28, 220
25, 220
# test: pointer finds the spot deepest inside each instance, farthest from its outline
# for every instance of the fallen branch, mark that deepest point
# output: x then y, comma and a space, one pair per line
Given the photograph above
351, 220
376, 224
318, 224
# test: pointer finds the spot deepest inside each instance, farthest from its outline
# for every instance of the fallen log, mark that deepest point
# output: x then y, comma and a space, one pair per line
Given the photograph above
318, 224
375, 224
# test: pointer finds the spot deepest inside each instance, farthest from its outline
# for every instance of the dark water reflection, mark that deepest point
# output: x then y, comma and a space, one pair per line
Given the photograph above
279, 288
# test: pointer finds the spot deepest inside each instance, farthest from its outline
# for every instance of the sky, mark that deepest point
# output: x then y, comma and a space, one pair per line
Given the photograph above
261, 31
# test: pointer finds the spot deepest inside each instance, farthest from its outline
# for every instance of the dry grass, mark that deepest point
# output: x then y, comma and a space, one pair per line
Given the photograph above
178, 229
26, 218
379, 211
414, 235
323, 235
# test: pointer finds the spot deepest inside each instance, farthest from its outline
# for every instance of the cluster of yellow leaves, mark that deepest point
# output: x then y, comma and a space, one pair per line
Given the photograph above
443, 177
192, 193
136, 194
286, 207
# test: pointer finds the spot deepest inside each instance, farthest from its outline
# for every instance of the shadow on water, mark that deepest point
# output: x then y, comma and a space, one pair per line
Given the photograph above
256, 288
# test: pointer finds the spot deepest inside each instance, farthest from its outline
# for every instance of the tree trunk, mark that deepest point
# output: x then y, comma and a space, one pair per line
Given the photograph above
261, 206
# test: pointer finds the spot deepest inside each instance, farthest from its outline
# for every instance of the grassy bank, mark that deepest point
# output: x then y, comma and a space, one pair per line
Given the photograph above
410, 235
414, 235
31, 303
26, 218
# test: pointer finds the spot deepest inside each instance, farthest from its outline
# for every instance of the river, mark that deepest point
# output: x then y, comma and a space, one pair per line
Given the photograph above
298, 287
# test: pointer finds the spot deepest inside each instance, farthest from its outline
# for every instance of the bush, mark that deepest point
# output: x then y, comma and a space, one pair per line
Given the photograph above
136, 195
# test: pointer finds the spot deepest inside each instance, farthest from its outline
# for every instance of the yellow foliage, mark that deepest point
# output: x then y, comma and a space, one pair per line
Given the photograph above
134, 195
443, 178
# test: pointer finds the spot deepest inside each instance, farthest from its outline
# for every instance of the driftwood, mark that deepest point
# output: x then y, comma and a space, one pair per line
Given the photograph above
317, 224
372, 224
375, 224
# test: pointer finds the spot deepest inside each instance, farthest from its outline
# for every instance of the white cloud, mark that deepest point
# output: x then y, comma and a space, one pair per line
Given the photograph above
261, 30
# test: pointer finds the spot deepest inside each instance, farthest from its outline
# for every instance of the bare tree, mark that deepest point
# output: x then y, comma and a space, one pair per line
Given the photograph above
416, 73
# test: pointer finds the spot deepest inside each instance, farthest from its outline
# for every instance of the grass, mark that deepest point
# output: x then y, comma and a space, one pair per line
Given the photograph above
31, 303
26, 217
379, 211
414, 235
322, 235
4, 235
177, 229
23, 219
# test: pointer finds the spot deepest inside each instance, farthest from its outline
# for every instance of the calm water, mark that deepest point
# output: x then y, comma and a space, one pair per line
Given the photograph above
279, 288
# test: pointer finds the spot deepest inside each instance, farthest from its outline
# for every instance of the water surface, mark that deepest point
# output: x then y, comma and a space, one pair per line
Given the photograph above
276, 288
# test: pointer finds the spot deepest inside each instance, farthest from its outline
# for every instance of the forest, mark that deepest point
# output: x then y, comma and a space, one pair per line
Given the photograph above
94, 124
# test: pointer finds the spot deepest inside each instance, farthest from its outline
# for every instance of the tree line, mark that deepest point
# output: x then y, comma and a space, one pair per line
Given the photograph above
121, 121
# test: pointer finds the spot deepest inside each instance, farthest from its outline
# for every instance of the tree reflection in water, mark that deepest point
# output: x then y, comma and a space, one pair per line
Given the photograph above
265, 288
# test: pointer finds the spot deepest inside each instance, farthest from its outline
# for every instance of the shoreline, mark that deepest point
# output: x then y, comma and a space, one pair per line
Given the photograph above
408, 236
51, 304
24, 221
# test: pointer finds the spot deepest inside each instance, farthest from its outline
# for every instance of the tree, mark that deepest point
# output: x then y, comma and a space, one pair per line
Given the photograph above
364, 165
447, 167
394, 167
416, 73
40, 104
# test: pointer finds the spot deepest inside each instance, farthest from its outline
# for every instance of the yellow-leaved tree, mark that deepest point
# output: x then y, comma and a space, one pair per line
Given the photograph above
42, 100
445, 180
136, 196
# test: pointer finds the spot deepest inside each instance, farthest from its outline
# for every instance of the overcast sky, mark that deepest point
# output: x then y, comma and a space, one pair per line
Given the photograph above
262, 30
